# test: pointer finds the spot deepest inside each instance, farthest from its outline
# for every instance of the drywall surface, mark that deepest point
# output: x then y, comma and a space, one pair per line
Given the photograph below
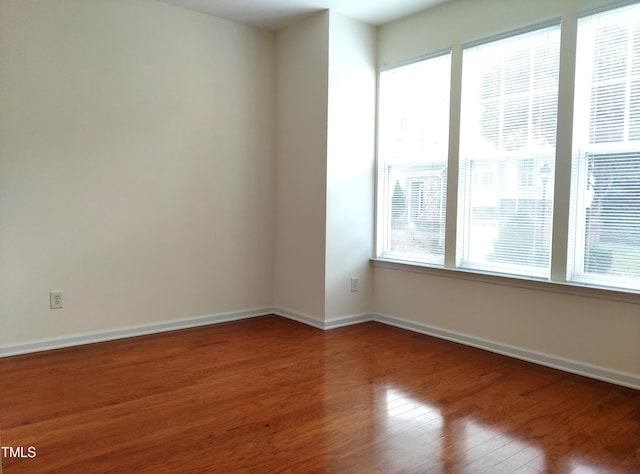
137, 160
593, 331
350, 165
301, 137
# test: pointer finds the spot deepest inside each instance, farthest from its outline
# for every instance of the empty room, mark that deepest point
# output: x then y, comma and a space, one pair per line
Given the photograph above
320, 236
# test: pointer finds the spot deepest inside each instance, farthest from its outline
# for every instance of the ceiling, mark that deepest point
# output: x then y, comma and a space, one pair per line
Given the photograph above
277, 14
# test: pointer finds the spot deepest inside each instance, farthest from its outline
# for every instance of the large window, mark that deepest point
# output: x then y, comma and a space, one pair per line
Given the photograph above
507, 162
605, 199
413, 153
507, 153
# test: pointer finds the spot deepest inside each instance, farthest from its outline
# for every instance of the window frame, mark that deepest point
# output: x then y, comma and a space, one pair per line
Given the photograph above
588, 145
560, 251
384, 186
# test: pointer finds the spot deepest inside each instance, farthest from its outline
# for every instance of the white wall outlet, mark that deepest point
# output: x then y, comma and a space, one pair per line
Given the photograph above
55, 299
355, 281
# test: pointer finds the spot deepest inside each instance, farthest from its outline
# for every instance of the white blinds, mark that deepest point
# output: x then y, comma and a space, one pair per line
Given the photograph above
507, 153
605, 198
412, 148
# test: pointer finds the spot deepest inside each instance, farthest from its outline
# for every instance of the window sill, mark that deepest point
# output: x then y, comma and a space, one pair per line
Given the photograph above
518, 282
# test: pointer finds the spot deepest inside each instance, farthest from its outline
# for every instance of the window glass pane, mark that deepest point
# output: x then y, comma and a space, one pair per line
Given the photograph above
515, 123
413, 151
610, 51
517, 71
544, 118
507, 153
545, 64
607, 113
605, 194
491, 80
635, 60
634, 110
490, 123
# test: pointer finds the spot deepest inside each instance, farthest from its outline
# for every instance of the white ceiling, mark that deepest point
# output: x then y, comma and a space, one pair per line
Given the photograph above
277, 14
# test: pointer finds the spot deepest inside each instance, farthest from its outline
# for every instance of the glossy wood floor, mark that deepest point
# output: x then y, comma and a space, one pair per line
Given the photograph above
273, 395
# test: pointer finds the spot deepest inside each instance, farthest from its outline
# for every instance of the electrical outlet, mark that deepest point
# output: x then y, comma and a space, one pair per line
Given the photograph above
354, 284
55, 299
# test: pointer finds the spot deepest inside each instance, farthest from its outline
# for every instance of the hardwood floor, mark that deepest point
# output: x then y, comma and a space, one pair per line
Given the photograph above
273, 395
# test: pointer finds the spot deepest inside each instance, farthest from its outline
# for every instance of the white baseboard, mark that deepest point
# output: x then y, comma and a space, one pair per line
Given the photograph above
132, 331
341, 321
300, 317
325, 324
567, 365
548, 360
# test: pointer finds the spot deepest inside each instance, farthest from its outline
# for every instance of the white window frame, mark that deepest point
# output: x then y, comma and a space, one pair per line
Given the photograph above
580, 179
385, 185
561, 251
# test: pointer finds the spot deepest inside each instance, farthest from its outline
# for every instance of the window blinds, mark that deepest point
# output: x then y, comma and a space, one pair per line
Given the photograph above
605, 197
413, 149
507, 153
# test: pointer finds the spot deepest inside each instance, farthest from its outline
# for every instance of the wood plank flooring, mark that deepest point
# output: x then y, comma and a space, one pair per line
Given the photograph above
273, 395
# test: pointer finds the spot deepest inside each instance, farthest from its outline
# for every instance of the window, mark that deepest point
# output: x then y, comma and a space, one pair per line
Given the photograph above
507, 153
605, 199
506, 162
413, 153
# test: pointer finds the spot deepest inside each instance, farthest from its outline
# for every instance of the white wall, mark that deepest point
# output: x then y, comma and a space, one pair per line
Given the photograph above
592, 331
325, 166
350, 165
137, 165
302, 87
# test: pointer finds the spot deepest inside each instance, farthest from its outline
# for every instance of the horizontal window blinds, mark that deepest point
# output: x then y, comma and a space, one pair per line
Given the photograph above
506, 161
507, 153
605, 197
413, 148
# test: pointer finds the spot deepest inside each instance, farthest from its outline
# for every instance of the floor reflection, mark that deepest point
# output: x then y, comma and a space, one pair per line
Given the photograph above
414, 430
401, 406
441, 411
490, 449
422, 437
